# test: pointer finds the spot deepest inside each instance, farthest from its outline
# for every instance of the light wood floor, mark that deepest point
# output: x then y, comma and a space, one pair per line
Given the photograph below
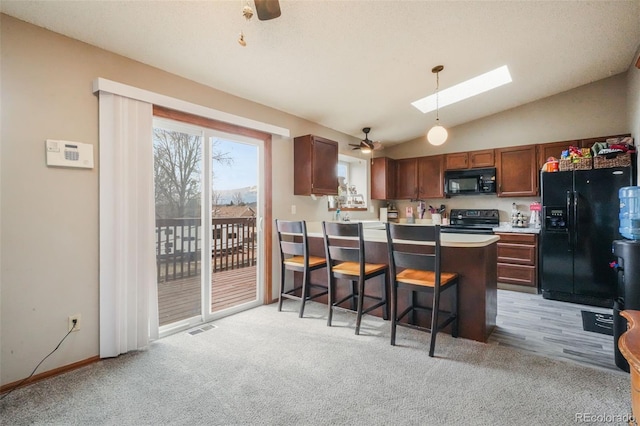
551, 328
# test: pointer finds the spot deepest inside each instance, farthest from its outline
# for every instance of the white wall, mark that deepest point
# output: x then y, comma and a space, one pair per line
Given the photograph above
633, 100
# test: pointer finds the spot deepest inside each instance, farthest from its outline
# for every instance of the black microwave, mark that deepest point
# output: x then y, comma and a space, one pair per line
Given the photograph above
470, 182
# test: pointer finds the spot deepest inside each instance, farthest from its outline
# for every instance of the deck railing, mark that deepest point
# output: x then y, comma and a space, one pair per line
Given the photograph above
179, 246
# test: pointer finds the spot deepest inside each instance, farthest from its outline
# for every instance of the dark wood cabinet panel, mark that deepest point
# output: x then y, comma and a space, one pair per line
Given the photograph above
383, 178
588, 143
315, 166
553, 149
407, 179
430, 176
484, 158
458, 160
516, 253
518, 259
517, 171
517, 274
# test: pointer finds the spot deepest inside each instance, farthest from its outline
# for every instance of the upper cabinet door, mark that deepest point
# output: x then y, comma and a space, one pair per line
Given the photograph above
431, 176
315, 169
480, 159
469, 160
458, 160
517, 171
383, 178
407, 179
553, 149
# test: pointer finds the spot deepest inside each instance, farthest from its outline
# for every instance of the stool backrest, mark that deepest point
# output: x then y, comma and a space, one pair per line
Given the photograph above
293, 248
339, 242
399, 257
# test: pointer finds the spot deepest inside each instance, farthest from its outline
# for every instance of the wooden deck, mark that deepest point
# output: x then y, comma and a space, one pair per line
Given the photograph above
181, 299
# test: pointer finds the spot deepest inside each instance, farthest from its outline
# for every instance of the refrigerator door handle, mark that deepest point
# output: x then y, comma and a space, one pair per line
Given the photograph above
575, 215
568, 224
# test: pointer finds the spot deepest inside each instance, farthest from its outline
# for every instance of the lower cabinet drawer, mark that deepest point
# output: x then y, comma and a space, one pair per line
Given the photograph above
517, 253
517, 274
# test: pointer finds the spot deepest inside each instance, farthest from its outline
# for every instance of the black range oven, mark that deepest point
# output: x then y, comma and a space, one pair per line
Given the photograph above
477, 221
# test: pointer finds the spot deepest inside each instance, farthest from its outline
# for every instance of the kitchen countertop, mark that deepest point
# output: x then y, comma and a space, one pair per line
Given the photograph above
314, 229
506, 228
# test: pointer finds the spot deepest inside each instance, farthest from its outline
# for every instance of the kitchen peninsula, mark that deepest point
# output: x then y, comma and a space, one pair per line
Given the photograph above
472, 256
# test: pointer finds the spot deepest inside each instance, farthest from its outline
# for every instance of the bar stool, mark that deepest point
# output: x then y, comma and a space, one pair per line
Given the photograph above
295, 256
344, 248
420, 272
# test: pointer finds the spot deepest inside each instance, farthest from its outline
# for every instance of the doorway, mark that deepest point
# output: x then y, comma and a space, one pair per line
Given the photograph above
209, 209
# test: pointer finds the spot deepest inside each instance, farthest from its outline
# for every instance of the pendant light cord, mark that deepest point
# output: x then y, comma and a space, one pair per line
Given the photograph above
438, 97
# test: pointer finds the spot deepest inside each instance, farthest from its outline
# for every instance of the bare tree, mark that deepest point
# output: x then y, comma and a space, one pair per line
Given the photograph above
238, 199
178, 171
216, 200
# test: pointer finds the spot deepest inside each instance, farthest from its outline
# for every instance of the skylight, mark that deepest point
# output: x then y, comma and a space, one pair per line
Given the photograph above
466, 89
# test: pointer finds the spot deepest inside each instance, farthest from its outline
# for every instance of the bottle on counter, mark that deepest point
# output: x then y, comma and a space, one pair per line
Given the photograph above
338, 215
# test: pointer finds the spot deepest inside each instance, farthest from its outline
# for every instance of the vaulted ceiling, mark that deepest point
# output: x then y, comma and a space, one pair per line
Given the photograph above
350, 64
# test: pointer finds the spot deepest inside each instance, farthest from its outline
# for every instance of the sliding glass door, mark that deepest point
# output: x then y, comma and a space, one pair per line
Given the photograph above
209, 205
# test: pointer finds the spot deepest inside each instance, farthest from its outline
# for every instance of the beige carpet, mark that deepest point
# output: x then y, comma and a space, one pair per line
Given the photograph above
269, 367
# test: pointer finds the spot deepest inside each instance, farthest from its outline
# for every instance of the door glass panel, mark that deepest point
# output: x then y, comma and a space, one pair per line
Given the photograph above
235, 208
178, 194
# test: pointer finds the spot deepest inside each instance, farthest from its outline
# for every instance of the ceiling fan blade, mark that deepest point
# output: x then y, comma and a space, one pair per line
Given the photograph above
267, 9
377, 146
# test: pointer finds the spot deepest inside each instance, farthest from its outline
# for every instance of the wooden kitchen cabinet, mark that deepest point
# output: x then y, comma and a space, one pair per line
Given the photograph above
554, 149
383, 178
407, 179
517, 171
456, 161
469, 160
483, 158
315, 164
518, 259
420, 177
431, 176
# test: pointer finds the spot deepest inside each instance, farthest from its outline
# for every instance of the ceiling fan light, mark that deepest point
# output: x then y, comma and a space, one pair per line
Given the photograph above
437, 135
365, 149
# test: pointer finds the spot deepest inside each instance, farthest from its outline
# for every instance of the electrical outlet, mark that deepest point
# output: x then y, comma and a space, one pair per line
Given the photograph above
76, 317
293, 209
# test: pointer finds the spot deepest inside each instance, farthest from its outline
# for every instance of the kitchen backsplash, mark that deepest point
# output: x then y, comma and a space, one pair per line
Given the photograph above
469, 202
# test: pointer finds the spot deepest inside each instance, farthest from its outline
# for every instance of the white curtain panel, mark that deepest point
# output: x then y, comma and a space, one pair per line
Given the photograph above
128, 283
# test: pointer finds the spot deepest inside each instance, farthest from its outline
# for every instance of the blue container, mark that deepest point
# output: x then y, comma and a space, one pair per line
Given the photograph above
630, 212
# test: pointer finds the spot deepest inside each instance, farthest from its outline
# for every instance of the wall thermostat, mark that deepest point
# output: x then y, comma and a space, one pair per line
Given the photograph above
69, 154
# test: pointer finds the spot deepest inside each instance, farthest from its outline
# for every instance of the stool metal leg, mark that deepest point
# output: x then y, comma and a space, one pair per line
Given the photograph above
304, 291
434, 321
330, 298
360, 304
282, 271
394, 312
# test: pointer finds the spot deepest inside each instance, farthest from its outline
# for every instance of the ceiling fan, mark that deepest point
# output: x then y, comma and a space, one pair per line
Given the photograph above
367, 145
267, 9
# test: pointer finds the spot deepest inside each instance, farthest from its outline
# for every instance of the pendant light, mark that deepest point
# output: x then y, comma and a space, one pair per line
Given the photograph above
437, 134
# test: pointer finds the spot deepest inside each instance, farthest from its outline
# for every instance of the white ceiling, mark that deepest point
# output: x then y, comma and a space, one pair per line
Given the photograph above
350, 64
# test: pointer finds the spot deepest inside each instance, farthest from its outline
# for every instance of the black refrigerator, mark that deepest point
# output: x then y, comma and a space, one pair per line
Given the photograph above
580, 223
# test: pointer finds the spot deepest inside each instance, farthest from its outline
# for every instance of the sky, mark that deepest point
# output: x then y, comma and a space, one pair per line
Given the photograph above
242, 172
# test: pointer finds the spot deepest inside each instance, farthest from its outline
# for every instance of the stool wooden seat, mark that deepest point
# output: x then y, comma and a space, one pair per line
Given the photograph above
294, 255
344, 248
420, 272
